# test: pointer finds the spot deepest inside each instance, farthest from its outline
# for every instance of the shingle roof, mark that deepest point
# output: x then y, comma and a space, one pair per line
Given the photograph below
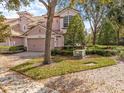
16, 31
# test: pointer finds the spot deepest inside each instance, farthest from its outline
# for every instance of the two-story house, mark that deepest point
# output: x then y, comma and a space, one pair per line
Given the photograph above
29, 30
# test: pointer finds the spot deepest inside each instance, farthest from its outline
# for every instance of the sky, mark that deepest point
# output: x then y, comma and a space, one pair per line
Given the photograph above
35, 8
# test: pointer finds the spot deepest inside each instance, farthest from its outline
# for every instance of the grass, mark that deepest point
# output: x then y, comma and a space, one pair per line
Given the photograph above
61, 67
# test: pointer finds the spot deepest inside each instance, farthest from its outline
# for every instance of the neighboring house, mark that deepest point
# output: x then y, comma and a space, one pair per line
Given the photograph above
29, 30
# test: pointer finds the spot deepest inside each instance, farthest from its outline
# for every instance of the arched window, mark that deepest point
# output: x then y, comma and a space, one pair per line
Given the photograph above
67, 20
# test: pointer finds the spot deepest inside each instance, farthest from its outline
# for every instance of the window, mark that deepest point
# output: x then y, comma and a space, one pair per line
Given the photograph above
24, 27
39, 30
66, 21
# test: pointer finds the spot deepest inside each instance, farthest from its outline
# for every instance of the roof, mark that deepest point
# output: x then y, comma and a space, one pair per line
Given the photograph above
16, 31
39, 19
11, 21
24, 13
67, 9
53, 32
58, 13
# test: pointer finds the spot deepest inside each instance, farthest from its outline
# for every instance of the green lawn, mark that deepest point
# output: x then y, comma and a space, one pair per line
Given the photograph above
61, 67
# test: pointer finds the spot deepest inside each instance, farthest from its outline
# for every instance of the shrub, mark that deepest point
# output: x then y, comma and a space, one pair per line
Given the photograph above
102, 47
101, 52
62, 52
122, 55
70, 48
12, 49
120, 49
17, 48
55, 52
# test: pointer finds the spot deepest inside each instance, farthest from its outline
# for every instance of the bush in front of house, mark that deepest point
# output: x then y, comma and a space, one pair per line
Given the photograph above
101, 52
121, 55
12, 49
102, 47
17, 48
62, 52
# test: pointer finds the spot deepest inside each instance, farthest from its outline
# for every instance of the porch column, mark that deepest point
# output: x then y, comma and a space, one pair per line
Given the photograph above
26, 42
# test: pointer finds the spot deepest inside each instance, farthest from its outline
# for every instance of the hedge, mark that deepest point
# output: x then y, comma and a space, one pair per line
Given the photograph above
12, 49
101, 52
62, 52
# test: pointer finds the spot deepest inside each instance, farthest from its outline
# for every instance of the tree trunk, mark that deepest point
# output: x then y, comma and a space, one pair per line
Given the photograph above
118, 37
94, 33
73, 41
50, 14
94, 37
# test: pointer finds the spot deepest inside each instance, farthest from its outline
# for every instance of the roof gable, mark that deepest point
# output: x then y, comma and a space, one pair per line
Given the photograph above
37, 30
67, 9
63, 11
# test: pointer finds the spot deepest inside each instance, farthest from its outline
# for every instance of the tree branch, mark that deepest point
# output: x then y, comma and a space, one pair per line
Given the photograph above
44, 3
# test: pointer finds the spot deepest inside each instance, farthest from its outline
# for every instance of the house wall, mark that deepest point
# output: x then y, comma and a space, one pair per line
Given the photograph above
23, 22
15, 41
63, 14
56, 23
59, 41
36, 39
38, 30
58, 20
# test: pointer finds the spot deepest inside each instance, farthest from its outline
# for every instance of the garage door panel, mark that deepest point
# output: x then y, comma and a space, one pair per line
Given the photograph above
36, 44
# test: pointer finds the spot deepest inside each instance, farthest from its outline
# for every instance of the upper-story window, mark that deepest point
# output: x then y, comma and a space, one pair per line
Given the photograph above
67, 20
24, 28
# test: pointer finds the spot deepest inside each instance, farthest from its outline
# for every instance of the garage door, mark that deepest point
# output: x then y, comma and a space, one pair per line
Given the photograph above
36, 44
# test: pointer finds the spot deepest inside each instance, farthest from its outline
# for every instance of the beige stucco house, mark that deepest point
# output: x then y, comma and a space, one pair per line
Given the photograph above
29, 30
